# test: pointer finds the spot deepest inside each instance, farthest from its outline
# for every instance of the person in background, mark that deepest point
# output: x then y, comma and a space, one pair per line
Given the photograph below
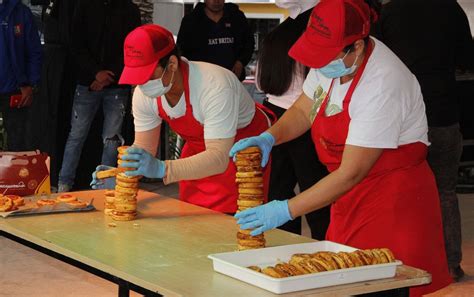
432, 37
218, 33
20, 70
99, 29
57, 84
203, 103
367, 119
296, 161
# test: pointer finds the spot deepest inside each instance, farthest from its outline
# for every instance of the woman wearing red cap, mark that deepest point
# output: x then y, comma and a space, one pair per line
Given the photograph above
367, 119
204, 103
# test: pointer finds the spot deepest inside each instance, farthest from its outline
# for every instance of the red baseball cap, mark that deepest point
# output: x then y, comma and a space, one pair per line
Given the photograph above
333, 25
142, 50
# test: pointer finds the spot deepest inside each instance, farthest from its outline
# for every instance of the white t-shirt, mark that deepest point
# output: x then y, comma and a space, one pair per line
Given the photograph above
219, 100
386, 108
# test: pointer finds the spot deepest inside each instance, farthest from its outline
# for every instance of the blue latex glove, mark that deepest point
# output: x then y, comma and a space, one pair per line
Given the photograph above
264, 217
144, 162
107, 183
264, 141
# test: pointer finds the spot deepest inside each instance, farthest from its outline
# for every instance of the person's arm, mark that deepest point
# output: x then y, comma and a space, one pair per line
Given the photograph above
79, 35
356, 164
148, 140
214, 160
220, 109
294, 122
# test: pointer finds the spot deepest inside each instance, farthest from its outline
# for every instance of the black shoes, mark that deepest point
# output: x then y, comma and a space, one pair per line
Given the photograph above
456, 273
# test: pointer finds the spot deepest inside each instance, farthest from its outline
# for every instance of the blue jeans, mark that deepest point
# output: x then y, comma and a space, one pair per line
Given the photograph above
85, 106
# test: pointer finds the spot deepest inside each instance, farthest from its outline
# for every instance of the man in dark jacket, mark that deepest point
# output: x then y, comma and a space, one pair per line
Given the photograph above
20, 68
99, 29
432, 37
217, 32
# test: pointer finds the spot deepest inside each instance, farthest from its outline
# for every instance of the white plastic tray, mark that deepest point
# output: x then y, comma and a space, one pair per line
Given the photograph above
234, 264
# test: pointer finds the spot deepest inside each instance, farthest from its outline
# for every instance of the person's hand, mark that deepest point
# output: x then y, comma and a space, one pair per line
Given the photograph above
107, 183
264, 217
144, 162
26, 96
105, 77
264, 141
96, 86
238, 68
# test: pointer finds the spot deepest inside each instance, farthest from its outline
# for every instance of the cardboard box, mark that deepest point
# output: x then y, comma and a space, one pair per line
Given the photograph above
24, 173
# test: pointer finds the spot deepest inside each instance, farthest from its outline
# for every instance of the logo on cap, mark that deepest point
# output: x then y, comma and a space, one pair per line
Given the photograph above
131, 52
319, 26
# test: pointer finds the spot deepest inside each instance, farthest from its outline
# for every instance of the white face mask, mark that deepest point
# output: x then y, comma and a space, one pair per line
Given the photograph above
155, 88
296, 7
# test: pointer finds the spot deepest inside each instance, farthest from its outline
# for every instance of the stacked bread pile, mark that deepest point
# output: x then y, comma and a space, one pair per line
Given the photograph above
109, 193
300, 264
126, 190
249, 179
109, 206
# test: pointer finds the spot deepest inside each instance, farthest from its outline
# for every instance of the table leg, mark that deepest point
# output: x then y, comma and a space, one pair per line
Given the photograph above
123, 288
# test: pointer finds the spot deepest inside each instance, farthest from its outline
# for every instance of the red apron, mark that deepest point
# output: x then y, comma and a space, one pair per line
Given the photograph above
217, 192
395, 206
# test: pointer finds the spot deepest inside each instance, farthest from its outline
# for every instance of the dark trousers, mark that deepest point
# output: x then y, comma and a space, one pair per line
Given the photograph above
296, 162
16, 121
444, 155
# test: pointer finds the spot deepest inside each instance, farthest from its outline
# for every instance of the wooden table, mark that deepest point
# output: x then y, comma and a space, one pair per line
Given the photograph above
164, 251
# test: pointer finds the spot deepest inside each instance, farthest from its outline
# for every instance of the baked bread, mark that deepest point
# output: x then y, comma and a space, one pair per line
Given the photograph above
77, 204
249, 150
6, 204
45, 202
17, 200
107, 173
123, 216
327, 261
66, 198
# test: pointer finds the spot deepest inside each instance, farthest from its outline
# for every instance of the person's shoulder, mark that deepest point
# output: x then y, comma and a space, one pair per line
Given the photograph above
232, 10
384, 63
209, 70
231, 7
211, 77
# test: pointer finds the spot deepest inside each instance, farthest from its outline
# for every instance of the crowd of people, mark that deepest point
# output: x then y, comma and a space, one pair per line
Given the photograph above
360, 112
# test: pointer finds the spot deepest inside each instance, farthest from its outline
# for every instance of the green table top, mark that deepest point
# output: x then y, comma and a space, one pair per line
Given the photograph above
165, 249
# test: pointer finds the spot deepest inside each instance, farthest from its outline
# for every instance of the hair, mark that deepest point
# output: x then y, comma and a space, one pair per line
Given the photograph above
276, 68
165, 60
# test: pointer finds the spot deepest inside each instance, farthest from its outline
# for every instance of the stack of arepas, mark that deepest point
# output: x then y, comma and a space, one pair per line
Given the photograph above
249, 179
300, 264
126, 190
109, 205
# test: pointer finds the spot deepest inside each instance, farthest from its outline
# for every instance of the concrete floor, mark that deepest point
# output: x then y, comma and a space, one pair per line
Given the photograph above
25, 272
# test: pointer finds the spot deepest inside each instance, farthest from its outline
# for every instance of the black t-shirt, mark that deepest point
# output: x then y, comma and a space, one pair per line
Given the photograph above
221, 43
